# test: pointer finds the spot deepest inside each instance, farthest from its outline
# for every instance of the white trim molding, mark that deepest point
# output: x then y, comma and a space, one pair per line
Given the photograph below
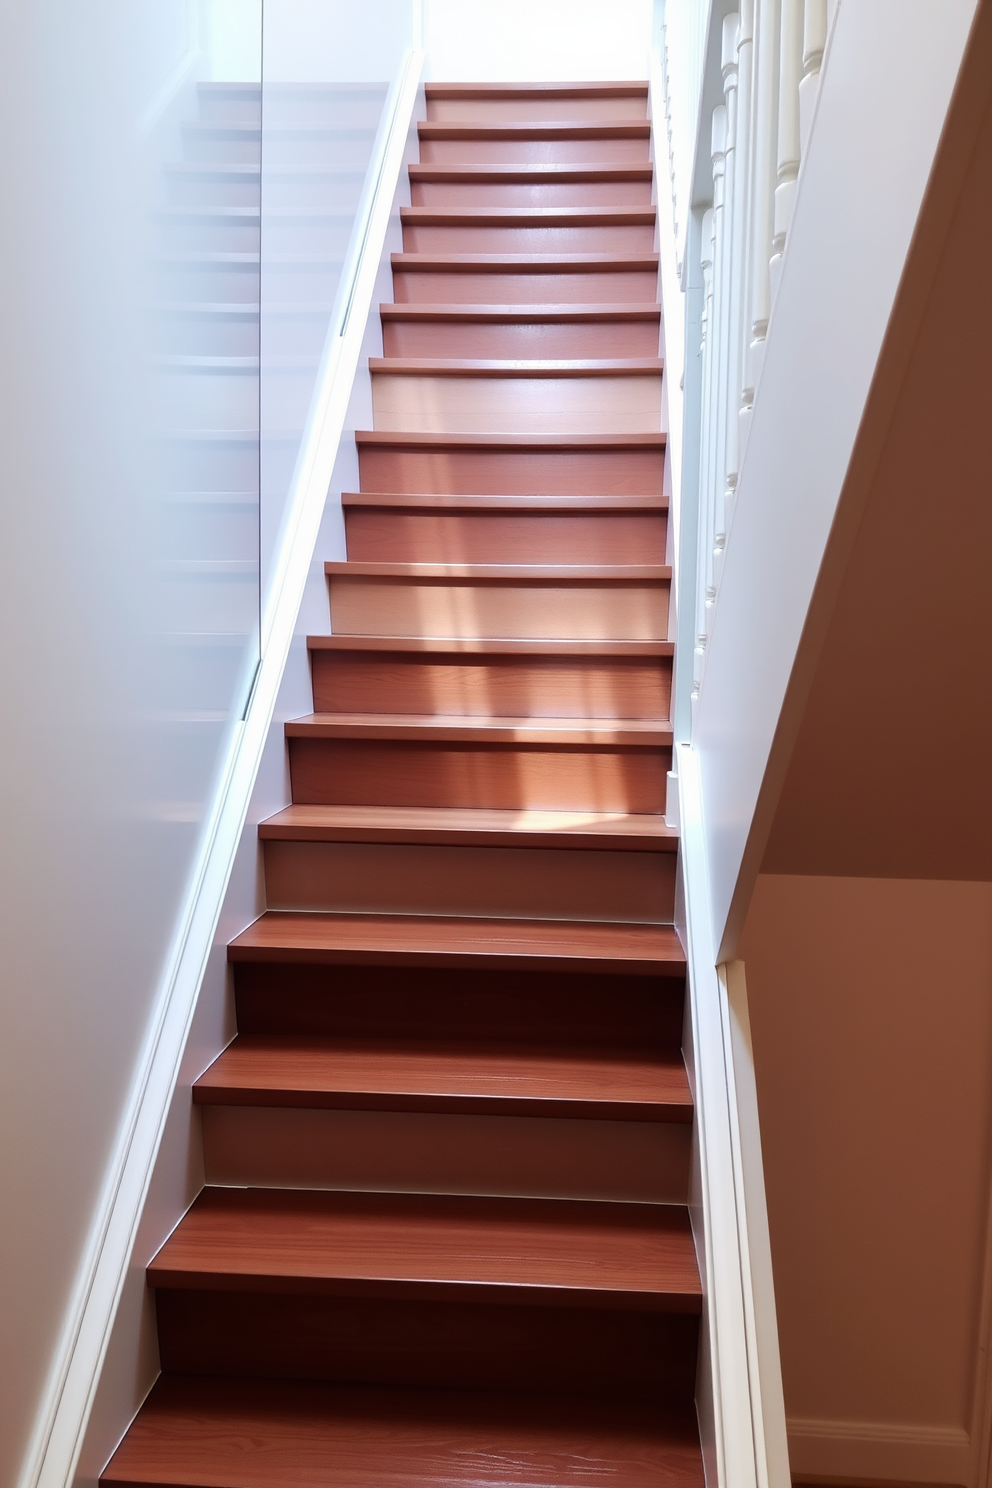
884, 1450
89, 1317
739, 1398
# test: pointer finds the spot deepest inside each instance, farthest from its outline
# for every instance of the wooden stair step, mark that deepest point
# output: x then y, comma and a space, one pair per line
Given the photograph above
426, 328
559, 573
490, 464
554, 679
539, 173
545, 92
589, 947
604, 1085
566, 129
590, 831
215, 1433
497, 217
511, 1251
519, 263
493, 367
430, 501
633, 733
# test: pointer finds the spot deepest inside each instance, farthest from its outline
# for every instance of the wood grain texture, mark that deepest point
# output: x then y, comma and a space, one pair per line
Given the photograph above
496, 684
463, 332
509, 534
439, 189
210, 1433
513, 945
512, 465
455, 878
500, 403
536, 236
589, 830
587, 148
517, 1252
508, 129
604, 733
608, 1085
505, 776
422, 280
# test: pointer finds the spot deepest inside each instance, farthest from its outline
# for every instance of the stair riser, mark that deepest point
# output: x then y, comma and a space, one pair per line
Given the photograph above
476, 287
416, 1002
386, 1151
534, 152
517, 405
505, 687
500, 472
538, 110
230, 105
520, 883
633, 238
508, 777
216, 145
442, 196
419, 1343
635, 611
549, 341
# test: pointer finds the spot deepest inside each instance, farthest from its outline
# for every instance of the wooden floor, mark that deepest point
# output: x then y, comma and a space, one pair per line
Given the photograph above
444, 1237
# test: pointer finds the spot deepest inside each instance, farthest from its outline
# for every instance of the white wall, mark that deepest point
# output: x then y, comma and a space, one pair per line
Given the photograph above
537, 40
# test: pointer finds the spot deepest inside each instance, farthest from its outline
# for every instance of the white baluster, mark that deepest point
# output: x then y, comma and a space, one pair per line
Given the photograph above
790, 55
814, 41
706, 265
726, 263
739, 305
764, 157
714, 468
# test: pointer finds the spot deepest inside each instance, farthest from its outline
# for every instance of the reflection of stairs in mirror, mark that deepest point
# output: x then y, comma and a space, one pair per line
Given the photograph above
445, 1237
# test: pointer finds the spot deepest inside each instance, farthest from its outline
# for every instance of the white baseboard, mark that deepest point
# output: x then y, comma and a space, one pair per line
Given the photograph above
880, 1450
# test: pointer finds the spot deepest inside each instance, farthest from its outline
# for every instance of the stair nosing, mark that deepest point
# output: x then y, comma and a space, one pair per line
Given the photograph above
493, 367
590, 733
552, 129
543, 314
414, 439
493, 646
570, 505
523, 263
511, 572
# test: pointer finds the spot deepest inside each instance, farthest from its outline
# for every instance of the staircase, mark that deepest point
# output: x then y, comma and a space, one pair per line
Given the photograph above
445, 1236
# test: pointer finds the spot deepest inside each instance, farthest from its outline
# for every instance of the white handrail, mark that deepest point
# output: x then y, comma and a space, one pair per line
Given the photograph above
57, 1439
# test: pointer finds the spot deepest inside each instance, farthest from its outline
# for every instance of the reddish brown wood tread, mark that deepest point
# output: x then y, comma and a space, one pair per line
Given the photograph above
488, 572
579, 442
480, 1079
452, 367
523, 263
430, 501
631, 733
198, 1432
537, 90
566, 129
482, 646
412, 940
520, 314
589, 831
539, 173
528, 217
512, 1251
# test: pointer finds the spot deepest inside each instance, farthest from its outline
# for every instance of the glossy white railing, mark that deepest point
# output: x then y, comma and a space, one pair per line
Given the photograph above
740, 92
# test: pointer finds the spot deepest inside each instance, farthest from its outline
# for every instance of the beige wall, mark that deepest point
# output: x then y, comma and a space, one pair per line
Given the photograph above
871, 1012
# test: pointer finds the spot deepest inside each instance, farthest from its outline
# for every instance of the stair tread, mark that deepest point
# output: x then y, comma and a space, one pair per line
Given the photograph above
534, 263
521, 314
429, 501
481, 646
402, 1075
575, 945
559, 129
562, 572
528, 216
550, 90
475, 826
631, 732
533, 173
377, 1243
415, 440
199, 1432
482, 367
